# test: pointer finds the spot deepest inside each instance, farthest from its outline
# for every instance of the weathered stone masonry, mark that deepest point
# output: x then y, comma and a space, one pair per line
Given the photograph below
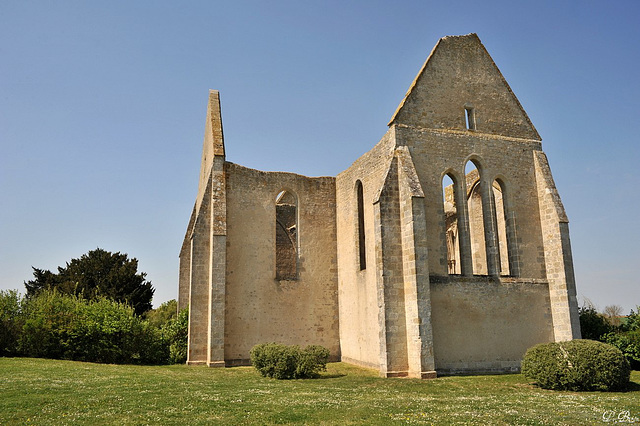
387, 264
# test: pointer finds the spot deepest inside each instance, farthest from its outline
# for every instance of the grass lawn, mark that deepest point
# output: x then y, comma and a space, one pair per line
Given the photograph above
38, 391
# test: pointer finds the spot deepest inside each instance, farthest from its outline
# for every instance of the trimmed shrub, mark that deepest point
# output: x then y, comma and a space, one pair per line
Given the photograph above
275, 360
312, 360
577, 365
289, 362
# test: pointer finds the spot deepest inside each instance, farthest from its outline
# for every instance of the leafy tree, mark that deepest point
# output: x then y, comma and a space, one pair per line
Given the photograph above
163, 314
613, 313
176, 332
632, 322
11, 322
592, 324
629, 343
98, 273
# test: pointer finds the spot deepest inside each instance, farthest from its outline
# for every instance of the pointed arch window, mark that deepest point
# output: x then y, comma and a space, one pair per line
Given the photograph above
451, 224
476, 218
360, 240
286, 236
506, 230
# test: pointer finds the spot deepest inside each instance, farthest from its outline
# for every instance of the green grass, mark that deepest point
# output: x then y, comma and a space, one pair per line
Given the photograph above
38, 391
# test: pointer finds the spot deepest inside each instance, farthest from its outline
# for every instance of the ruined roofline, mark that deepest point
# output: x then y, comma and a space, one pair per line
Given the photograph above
214, 116
212, 146
232, 164
455, 132
426, 64
415, 81
213, 143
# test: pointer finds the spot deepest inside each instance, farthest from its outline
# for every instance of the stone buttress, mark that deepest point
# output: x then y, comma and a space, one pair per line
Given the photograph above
202, 258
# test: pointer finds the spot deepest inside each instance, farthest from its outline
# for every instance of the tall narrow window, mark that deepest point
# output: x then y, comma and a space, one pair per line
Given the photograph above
501, 226
470, 118
451, 224
362, 253
476, 218
286, 236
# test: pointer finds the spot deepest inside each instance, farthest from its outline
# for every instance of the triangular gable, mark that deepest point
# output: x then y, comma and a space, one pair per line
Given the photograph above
459, 75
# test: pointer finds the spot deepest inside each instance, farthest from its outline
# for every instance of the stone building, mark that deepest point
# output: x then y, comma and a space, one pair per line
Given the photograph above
443, 250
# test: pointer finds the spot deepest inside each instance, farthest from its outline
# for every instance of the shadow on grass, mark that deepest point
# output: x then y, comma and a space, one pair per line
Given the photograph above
330, 376
632, 387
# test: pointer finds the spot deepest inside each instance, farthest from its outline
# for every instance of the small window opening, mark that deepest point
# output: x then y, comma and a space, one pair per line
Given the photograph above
362, 254
470, 118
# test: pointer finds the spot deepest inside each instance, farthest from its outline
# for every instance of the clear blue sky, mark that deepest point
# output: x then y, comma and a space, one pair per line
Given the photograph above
102, 112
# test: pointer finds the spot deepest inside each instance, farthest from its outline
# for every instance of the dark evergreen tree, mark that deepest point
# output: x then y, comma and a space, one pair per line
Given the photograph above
592, 324
98, 273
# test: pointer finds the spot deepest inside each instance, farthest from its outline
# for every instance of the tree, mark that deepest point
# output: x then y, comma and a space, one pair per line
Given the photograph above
163, 314
592, 324
613, 313
11, 321
98, 273
176, 331
633, 321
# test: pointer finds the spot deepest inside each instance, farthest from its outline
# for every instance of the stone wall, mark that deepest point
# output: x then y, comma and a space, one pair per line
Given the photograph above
485, 324
436, 152
360, 331
259, 307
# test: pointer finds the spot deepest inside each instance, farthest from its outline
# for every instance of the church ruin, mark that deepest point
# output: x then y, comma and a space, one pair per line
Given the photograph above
443, 250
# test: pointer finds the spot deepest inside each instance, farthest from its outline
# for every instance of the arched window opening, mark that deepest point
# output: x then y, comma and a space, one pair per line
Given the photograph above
286, 236
501, 226
451, 224
476, 218
360, 240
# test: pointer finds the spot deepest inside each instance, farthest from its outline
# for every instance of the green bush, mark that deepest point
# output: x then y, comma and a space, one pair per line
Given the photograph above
67, 327
49, 322
150, 346
289, 362
11, 322
176, 331
629, 343
163, 314
577, 365
632, 322
312, 360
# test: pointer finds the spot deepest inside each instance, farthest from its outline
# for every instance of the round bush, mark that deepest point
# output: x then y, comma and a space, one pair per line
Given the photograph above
289, 362
577, 365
